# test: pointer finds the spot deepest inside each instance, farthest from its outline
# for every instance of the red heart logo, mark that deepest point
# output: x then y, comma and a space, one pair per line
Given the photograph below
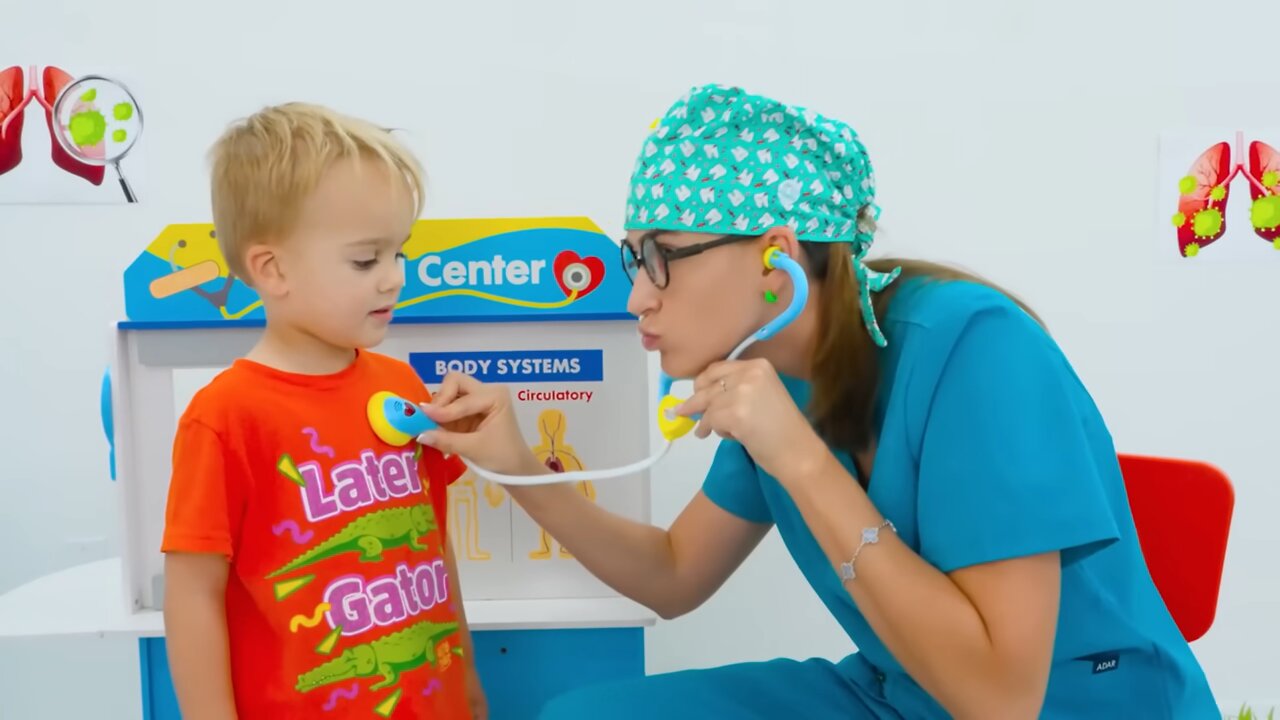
574, 273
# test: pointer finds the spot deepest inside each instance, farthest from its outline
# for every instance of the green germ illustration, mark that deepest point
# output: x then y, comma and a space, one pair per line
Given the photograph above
89, 95
1207, 223
119, 136
1186, 185
87, 128
122, 111
1265, 212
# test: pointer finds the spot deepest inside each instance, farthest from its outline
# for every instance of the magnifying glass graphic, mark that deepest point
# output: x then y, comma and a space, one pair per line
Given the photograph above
98, 121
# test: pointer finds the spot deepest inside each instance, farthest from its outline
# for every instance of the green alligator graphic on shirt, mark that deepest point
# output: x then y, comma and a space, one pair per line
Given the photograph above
388, 656
369, 535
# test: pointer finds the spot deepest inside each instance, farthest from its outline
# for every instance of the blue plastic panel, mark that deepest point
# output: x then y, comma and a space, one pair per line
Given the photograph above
521, 669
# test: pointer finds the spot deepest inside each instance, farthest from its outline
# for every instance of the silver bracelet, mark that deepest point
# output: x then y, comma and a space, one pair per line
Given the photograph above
870, 536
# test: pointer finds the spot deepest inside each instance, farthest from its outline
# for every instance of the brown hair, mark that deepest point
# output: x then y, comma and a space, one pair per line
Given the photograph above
266, 165
845, 366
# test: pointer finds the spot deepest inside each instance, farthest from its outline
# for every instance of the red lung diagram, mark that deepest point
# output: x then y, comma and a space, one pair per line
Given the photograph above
1203, 193
1264, 188
13, 99
17, 90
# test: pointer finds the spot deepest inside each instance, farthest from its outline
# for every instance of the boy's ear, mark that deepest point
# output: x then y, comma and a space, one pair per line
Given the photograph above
262, 262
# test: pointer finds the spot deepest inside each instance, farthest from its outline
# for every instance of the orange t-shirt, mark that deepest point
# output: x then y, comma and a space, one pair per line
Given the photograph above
337, 599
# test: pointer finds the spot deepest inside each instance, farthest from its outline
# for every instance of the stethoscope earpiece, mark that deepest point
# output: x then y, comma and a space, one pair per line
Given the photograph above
674, 426
770, 253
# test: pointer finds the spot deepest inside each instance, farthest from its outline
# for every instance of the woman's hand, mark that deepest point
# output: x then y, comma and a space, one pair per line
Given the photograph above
744, 400
477, 422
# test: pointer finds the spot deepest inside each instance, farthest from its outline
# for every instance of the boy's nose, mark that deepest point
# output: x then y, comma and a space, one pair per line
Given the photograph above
393, 280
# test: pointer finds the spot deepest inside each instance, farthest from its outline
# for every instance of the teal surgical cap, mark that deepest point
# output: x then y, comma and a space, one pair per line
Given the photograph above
724, 161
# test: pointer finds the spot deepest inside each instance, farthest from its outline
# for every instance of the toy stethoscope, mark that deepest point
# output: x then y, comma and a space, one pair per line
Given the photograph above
398, 422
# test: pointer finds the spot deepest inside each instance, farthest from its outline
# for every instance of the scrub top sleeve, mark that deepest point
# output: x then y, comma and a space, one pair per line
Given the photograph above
1006, 467
733, 483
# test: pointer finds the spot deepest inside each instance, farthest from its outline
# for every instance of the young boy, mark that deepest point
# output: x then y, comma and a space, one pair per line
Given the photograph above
308, 570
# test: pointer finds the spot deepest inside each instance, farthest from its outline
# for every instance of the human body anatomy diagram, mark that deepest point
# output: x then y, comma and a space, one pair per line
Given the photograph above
464, 495
1201, 218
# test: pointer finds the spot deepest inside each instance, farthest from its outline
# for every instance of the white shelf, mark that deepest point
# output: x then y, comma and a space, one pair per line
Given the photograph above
89, 600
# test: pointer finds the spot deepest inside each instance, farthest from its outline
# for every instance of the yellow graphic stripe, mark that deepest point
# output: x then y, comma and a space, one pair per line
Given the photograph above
491, 297
237, 315
198, 245
309, 622
433, 236
573, 296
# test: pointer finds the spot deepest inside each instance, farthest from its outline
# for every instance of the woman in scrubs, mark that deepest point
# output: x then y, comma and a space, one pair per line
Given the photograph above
935, 467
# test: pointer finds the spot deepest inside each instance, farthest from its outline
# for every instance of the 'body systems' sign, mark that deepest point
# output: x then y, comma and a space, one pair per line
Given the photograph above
509, 366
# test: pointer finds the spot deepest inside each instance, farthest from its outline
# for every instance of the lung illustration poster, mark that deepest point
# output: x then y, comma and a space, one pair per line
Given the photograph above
1219, 196
68, 136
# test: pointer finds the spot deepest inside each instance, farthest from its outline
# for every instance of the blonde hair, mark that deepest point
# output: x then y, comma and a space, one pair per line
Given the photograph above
266, 165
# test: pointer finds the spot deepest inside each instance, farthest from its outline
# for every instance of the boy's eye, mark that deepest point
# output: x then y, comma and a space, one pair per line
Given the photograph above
368, 264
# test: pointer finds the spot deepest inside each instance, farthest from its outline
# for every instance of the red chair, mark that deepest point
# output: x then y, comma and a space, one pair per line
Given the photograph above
1182, 510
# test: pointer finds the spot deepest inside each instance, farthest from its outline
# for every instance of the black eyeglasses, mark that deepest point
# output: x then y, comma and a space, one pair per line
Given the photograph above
657, 258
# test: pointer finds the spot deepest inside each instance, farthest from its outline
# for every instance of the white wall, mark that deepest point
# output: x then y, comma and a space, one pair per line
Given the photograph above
1018, 138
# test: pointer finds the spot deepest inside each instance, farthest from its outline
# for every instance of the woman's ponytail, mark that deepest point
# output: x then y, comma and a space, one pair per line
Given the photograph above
845, 374
845, 371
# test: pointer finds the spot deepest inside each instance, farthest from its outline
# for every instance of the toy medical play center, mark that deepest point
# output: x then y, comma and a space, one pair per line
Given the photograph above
536, 304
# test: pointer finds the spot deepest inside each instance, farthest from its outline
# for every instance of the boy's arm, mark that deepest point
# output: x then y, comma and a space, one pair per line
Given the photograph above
475, 691
195, 622
206, 500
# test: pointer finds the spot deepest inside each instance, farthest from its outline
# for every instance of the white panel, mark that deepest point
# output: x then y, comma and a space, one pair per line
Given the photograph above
612, 429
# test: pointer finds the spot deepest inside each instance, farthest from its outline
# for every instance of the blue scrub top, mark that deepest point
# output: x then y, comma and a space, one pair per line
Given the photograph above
991, 448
